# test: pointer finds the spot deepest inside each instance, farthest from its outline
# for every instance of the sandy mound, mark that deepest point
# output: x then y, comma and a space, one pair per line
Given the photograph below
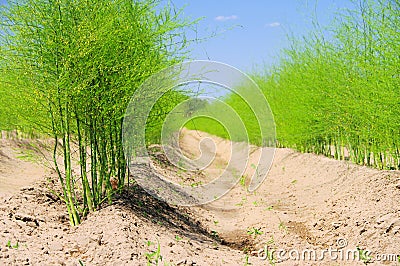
307, 202
126, 233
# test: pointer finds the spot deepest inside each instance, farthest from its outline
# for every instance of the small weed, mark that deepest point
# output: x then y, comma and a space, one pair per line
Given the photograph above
196, 184
246, 250
178, 238
242, 181
269, 252
26, 155
282, 226
244, 200
269, 208
254, 231
363, 255
215, 222
246, 260
294, 181
155, 256
16, 246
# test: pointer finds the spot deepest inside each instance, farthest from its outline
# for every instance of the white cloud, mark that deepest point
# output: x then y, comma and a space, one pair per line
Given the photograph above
273, 24
225, 18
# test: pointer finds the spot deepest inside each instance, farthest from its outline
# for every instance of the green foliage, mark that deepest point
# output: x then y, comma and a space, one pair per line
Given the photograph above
341, 97
282, 226
26, 155
338, 96
31, 117
225, 122
155, 256
246, 260
242, 181
158, 114
208, 124
73, 66
363, 255
16, 246
254, 231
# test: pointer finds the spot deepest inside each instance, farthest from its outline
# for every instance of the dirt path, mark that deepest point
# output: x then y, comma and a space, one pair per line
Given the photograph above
20, 165
307, 202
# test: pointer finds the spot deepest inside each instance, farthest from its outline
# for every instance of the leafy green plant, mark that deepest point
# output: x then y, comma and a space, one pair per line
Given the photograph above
196, 184
254, 231
242, 181
282, 226
76, 64
246, 260
363, 255
26, 155
269, 251
9, 245
337, 97
269, 208
155, 256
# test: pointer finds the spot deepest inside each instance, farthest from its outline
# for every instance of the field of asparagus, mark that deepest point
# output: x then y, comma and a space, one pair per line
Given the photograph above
69, 194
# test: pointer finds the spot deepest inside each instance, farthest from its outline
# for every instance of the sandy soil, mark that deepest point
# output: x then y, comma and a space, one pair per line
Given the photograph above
307, 202
22, 162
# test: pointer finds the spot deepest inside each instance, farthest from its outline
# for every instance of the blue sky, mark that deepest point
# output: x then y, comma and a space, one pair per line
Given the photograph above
251, 33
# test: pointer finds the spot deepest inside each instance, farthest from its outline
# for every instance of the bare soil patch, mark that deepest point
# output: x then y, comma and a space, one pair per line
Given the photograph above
306, 202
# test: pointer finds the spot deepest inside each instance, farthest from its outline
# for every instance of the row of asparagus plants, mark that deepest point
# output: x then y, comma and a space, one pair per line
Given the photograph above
340, 96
